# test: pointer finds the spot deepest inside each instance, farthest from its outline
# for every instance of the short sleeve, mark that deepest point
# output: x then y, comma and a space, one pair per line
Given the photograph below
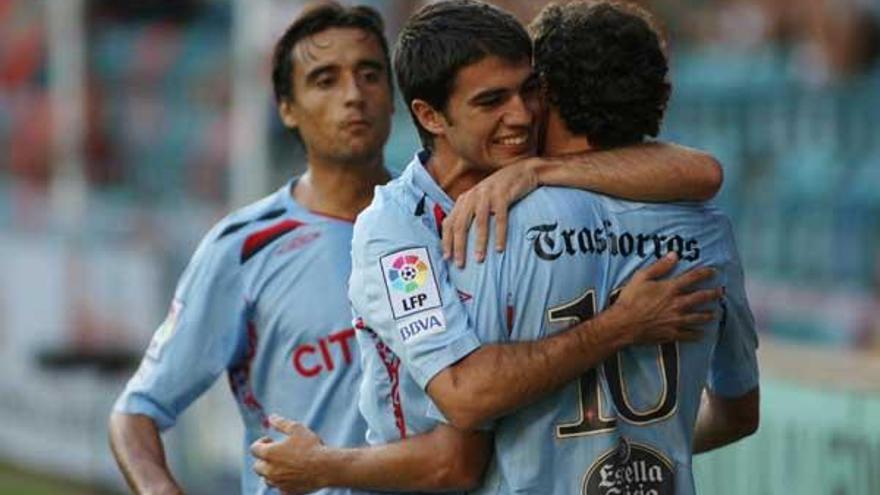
198, 340
401, 290
734, 365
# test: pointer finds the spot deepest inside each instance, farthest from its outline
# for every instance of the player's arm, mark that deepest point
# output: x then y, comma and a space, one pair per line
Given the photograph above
495, 379
430, 331
137, 447
645, 172
198, 340
729, 407
724, 420
652, 171
444, 459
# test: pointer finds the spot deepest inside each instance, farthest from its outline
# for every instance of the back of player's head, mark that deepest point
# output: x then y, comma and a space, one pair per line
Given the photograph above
444, 37
315, 19
605, 68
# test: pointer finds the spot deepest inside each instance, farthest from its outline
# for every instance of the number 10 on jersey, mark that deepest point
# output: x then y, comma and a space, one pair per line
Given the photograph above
591, 394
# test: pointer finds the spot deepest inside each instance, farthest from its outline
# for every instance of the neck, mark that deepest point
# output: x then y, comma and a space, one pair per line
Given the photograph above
339, 190
453, 174
558, 140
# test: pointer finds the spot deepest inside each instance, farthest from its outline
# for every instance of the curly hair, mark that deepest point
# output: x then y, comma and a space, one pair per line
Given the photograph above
605, 70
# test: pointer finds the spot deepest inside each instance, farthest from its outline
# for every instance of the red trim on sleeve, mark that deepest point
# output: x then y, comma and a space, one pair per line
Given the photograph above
392, 366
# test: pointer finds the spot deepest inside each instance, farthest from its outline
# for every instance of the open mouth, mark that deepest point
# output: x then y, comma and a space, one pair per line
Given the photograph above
518, 140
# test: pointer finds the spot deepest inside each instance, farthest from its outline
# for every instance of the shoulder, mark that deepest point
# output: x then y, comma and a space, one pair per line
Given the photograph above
245, 231
393, 212
555, 203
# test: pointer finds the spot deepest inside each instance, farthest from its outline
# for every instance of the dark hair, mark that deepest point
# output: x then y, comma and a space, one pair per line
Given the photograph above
605, 70
442, 38
313, 20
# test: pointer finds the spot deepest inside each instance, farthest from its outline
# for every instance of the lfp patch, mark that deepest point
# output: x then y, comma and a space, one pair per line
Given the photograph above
410, 282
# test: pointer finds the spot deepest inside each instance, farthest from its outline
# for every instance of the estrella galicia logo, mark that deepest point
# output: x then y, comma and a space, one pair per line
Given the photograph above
407, 273
630, 469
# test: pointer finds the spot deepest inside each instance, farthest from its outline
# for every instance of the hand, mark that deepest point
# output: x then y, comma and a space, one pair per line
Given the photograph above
289, 464
494, 195
660, 311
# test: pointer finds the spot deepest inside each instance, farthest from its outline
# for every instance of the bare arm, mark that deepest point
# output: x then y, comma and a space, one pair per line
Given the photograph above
444, 459
645, 172
496, 379
721, 420
137, 447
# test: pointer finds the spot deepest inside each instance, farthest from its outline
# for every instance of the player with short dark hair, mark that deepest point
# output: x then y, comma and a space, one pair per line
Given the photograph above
263, 298
426, 65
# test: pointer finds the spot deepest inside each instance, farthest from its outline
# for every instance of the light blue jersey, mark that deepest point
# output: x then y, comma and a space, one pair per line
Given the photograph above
412, 320
264, 300
626, 427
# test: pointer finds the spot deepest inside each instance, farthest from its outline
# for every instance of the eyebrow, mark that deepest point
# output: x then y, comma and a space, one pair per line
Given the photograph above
320, 70
371, 64
488, 94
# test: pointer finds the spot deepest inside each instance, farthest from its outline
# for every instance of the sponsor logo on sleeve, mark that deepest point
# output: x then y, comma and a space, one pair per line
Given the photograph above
165, 330
631, 468
410, 282
420, 325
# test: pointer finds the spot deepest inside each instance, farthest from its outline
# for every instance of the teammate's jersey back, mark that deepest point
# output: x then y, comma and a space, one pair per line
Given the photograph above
627, 426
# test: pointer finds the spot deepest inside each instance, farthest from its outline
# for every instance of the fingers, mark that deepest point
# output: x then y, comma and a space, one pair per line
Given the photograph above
481, 223
658, 269
700, 297
699, 318
260, 448
693, 277
500, 229
281, 424
459, 240
261, 467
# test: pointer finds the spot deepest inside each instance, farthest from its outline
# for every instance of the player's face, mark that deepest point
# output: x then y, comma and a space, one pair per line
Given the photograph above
491, 114
342, 101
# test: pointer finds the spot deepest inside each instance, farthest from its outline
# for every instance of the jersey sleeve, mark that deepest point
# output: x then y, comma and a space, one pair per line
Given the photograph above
401, 290
734, 366
197, 341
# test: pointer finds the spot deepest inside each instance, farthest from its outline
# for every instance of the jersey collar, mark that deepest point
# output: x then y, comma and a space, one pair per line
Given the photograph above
422, 180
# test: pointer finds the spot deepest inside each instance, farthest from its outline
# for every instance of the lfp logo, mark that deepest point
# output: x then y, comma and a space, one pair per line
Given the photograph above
407, 273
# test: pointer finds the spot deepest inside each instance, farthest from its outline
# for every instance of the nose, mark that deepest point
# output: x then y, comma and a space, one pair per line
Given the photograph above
353, 93
520, 112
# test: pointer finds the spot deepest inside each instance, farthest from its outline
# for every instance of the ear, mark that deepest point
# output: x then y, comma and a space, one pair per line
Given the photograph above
288, 114
432, 120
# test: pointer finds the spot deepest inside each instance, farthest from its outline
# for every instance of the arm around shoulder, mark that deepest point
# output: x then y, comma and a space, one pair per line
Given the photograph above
654, 171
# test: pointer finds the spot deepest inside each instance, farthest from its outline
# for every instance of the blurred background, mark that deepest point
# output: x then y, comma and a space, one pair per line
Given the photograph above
128, 128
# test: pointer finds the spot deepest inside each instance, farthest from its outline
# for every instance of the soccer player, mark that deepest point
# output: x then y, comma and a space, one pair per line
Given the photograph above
404, 297
264, 296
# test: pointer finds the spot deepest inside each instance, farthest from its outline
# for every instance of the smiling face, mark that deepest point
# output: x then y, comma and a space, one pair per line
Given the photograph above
491, 116
341, 102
